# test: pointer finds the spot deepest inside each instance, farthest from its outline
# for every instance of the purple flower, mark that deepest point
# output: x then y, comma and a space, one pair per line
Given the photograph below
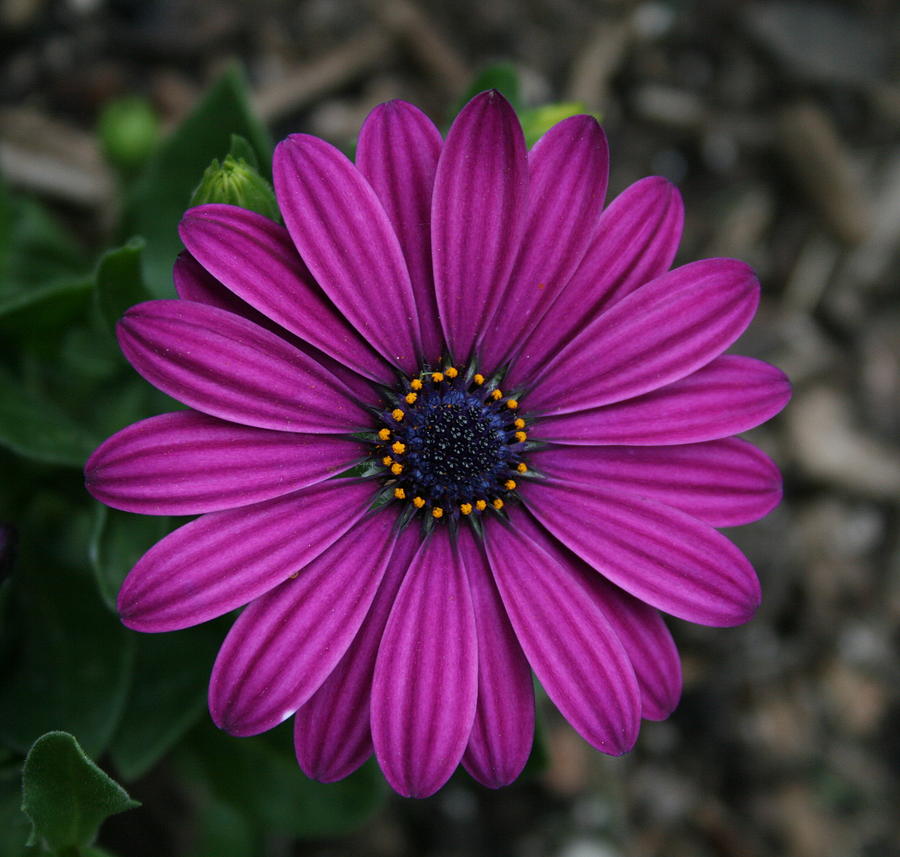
453, 424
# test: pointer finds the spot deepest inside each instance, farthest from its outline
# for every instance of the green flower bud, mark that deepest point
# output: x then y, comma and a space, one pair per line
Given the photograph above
128, 131
236, 182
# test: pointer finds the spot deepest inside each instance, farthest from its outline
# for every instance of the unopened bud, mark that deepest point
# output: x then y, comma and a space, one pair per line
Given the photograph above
235, 182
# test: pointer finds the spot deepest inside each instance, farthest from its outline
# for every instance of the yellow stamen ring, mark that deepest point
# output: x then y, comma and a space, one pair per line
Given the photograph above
437, 512
512, 404
478, 378
399, 493
416, 384
510, 485
387, 461
521, 436
396, 469
398, 448
497, 504
384, 434
519, 423
522, 467
418, 502
410, 398
451, 372
437, 377
397, 414
466, 508
481, 505
497, 394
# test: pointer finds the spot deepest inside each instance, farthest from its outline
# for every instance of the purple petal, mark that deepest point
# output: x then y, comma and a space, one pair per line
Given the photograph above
635, 241
228, 367
658, 554
343, 234
284, 645
730, 395
332, 732
194, 283
639, 627
185, 463
503, 731
226, 559
658, 334
256, 260
568, 641
398, 152
426, 675
568, 170
478, 214
723, 482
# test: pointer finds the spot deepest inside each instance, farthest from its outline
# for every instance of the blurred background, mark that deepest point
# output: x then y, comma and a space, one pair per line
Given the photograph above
779, 122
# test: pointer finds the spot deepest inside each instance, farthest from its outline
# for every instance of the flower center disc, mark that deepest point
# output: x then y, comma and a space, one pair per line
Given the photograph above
452, 446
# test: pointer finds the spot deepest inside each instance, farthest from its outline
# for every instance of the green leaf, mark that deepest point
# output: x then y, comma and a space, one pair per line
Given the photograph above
118, 541
261, 777
66, 796
34, 249
73, 659
167, 697
43, 310
536, 121
501, 76
160, 196
36, 428
120, 281
241, 150
14, 826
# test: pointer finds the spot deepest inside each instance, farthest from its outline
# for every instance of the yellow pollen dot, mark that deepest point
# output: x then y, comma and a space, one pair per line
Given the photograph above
522, 467
497, 394
410, 398
418, 502
466, 508
437, 512
512, 404
497, 504
478, 378
521, 436
399, 493
387, 461
451, 372
398, 448
396, 469
481, 505
416, 384
437, 377
510, 485
397, 414
384, 434
519, 423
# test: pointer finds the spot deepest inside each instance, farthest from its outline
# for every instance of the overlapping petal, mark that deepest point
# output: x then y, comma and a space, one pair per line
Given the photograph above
567, 639
639, 627
478, 216
723, 482
426, 676
503, 731
332, 731
346, 239
256, 259
658, 554
283, 646
397, 152
729, 395
567, 175
227, 367
635, 241
658, 334
186, 462
226, 559
194, 283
